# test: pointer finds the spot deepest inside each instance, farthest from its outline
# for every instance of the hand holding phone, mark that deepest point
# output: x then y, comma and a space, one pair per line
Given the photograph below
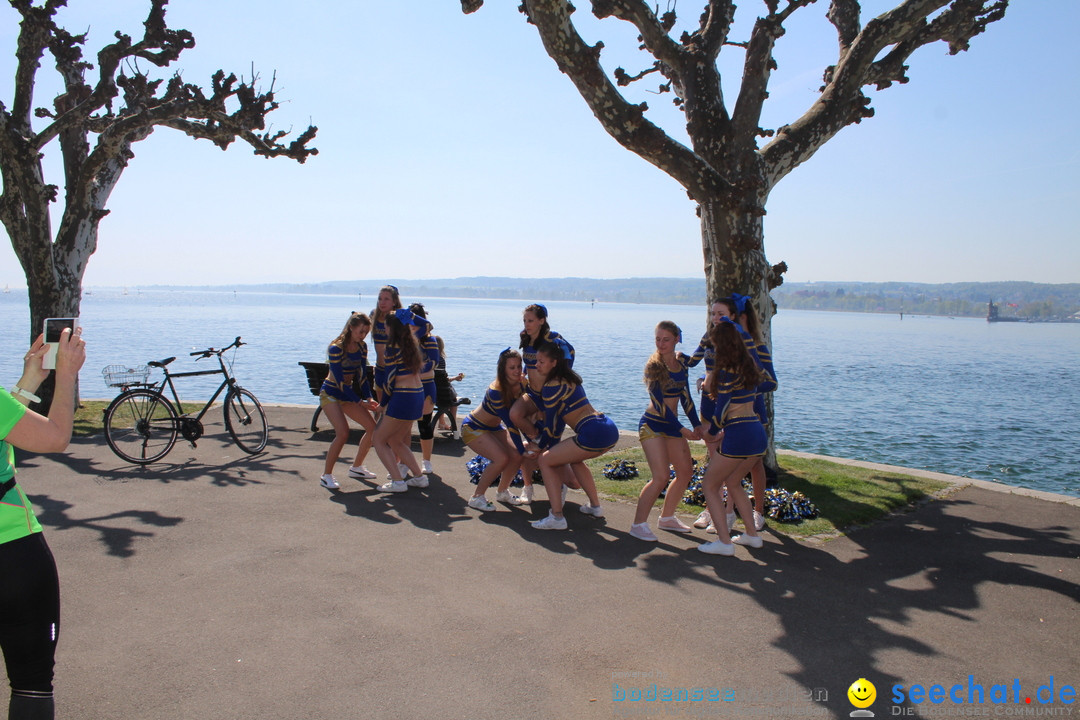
53, 328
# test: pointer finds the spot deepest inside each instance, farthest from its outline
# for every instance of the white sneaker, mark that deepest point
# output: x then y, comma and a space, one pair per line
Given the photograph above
704, 520
420, 482
506, 497
426, 467
328, 481
752, 541
711, 529
394, 486
479, 502
361, 473
594, 510
717, 547
759, 521
526, 496
550, 523
403, 470
642, 531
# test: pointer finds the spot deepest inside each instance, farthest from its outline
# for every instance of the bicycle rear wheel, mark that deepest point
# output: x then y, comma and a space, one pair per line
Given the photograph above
140, 426
245, 420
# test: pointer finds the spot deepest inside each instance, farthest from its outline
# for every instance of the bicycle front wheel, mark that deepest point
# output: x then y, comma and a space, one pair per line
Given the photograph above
245, 420
140, 426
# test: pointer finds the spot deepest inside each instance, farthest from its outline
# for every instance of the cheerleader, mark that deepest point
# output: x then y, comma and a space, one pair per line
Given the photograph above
429, 348
742, 311
402, 401
563, 402
389, 301
536, 330
737, 378
347, 358
488, 432
663, 438
704, 351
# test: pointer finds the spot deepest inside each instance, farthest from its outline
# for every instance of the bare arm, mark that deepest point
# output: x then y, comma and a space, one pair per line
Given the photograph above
38, 433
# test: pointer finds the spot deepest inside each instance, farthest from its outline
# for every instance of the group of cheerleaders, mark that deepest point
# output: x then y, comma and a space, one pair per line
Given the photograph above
536, 394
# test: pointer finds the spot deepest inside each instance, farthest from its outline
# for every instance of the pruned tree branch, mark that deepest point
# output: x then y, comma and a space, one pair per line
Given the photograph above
624, 121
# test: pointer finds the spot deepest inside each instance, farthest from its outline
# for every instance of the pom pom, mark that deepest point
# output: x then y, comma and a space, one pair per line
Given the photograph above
620, 470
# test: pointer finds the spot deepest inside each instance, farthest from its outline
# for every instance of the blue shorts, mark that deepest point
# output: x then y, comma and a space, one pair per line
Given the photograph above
473, 429
406, 403
708, 409
650, 427
596, 434
744, 437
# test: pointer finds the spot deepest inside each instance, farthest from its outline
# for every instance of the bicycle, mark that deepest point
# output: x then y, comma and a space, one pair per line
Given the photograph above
141, 424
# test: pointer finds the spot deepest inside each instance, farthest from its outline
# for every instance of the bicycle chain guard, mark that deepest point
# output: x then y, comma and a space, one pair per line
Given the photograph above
191, 429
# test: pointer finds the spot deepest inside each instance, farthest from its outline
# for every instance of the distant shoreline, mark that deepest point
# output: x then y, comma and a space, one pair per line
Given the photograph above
1016, 300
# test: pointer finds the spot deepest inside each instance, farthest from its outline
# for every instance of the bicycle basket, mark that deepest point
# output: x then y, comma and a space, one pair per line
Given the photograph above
122, 376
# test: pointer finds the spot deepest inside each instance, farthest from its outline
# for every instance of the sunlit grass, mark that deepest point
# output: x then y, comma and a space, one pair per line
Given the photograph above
845, 496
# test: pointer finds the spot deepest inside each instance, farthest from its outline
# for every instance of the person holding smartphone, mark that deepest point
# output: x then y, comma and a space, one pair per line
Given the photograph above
29, 587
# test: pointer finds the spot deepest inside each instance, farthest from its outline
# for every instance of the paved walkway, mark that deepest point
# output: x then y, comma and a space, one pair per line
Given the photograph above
219, 585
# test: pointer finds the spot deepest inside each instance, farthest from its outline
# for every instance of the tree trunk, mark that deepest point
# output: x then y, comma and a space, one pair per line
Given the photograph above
732, 240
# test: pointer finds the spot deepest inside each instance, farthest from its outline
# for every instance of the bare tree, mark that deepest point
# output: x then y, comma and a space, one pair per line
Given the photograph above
726, 171
121, 107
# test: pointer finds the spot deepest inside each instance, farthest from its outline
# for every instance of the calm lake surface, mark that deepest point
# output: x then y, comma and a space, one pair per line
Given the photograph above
960, 396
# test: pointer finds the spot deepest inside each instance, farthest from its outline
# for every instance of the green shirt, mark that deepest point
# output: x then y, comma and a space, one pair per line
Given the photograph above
16, 516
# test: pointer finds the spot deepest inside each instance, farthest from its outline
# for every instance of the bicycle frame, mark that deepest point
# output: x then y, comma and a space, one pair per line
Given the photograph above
229, 381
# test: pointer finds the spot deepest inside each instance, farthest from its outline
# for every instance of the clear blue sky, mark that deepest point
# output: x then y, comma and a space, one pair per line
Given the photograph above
450, 145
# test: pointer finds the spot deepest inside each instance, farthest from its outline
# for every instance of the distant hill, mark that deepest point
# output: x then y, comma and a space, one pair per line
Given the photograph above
1035, 300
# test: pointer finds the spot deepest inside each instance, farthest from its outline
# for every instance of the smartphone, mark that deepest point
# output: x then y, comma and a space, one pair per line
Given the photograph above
53, 328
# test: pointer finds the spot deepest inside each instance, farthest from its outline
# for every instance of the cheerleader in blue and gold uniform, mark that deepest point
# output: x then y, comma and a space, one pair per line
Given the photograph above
663, 438
736, 380
488, 432
389, 301
347, 358
429, 348
705, 352
742, 311
402, 401
562, 402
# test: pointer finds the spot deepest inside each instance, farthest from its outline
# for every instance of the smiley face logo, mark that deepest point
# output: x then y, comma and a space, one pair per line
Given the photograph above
862, 693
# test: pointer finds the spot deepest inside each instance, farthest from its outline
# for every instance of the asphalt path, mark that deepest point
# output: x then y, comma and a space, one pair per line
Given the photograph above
221, 585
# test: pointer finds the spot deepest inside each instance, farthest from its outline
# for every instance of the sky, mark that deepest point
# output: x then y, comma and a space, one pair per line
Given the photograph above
450, 146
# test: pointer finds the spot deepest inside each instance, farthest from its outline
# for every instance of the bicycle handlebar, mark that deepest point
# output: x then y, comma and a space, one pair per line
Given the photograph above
211, 351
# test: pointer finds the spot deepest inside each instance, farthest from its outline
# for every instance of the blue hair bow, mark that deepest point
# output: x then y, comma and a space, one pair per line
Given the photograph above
543, 309
408, 317
564, 347
507, 351
740, 302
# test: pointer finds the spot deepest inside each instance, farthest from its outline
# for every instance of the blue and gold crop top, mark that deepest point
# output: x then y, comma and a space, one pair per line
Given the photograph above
344, 367
528, 353
675, 385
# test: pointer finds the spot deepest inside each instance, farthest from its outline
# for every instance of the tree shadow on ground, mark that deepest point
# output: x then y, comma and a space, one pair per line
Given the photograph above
119, 540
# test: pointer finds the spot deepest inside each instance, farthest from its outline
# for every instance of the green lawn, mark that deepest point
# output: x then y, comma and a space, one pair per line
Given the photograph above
845, 496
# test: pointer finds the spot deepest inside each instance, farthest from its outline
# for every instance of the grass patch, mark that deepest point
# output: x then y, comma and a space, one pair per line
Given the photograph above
89, 417
845, 496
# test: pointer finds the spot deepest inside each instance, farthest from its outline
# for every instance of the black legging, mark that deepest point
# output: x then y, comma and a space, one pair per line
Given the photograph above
29, 619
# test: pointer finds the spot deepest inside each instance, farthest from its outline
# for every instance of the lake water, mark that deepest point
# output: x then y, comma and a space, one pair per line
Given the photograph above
959, 396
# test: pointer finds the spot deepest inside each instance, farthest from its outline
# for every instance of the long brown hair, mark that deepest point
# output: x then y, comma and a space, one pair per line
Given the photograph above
733, 356
562, 369
399, 335
655, 369
541, 314
356, 319
376, 314
509, 388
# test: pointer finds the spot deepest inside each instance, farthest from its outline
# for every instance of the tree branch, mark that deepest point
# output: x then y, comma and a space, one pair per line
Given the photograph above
842, 101
623, 121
